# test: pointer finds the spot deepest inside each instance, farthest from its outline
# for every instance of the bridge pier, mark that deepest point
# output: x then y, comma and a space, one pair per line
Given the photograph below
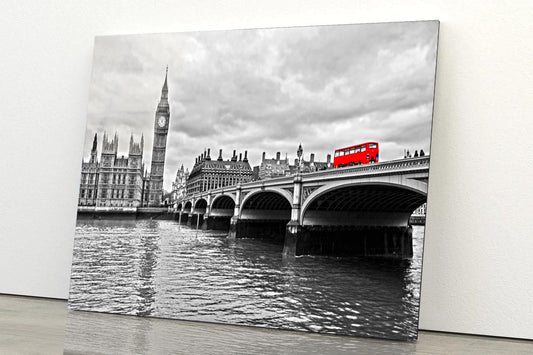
294, 230
293, 239
216, 223
190, 217
260, 229
183, 217
195, 220
234, 221
348, 240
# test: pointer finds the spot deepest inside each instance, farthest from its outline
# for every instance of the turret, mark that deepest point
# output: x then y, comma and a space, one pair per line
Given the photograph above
94, 152
245, 156
219, 155
110, 146
136, 148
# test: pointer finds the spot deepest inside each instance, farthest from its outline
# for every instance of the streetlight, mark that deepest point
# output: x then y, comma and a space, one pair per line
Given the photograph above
299, 153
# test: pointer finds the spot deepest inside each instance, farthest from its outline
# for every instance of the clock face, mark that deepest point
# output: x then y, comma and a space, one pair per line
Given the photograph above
161, 121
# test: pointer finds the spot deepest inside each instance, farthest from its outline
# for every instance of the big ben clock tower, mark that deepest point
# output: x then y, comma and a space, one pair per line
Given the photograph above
162, 117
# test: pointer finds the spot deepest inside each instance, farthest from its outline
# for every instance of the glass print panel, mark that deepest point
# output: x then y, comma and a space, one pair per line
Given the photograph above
231, 180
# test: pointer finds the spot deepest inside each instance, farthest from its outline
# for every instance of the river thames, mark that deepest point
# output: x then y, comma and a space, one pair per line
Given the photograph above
159, 269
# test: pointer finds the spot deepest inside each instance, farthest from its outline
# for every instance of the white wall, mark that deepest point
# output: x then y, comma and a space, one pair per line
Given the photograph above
477, 275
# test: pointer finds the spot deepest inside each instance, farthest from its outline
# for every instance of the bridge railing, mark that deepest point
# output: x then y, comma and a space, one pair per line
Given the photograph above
393, 165
382, 167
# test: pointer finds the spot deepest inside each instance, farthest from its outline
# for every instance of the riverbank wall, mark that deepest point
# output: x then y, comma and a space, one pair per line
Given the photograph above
161, 213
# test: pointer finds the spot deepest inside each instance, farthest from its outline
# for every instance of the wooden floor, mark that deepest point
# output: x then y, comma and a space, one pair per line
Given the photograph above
42, 326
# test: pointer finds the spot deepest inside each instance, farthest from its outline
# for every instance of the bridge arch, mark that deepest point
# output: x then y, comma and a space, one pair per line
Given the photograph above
264, 213
223, 202
270, 199
374, 201
200, 205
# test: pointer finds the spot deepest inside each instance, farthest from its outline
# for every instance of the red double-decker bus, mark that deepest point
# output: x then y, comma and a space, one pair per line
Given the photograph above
356, 155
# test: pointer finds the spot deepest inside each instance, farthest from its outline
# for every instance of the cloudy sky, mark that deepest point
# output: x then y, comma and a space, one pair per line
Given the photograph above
268, 90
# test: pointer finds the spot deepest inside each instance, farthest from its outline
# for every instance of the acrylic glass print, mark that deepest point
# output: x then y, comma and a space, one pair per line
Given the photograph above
267, 177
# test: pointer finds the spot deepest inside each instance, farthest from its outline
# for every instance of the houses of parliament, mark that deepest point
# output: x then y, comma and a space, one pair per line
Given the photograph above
115, 181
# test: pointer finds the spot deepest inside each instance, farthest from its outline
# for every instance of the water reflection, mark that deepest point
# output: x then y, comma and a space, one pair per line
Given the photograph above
147, 265
154, 268
98, 333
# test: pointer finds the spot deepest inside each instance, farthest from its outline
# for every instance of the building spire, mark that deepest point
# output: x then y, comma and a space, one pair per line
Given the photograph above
163, 102
93, 150
95, 142
164, 91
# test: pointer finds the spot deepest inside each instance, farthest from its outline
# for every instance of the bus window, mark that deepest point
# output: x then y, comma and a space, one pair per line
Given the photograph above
341, 153
363, 149
352, 150
372, 145
358, 149
336, 154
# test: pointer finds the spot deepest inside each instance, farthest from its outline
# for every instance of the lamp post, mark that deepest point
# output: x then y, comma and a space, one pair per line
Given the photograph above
299, 153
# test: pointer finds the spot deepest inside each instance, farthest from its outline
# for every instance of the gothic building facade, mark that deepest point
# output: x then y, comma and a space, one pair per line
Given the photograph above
120, 178
122, 181
273, 167
210, 174
89, 177
278, 167
179, 186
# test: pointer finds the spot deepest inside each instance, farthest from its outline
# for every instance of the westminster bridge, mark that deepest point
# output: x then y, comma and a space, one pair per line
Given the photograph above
358, 210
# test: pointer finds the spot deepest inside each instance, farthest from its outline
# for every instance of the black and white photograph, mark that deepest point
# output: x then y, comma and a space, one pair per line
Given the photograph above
262, 177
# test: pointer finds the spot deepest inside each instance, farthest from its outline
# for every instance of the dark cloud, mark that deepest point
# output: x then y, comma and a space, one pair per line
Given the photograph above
269, 89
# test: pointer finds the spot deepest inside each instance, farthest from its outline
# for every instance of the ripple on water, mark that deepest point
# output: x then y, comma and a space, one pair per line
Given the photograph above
156, 268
